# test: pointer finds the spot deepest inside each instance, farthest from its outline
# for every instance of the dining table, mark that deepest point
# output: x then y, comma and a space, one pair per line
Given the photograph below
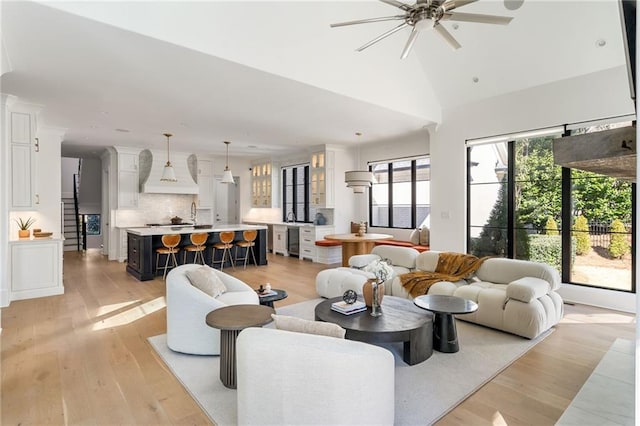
353, 244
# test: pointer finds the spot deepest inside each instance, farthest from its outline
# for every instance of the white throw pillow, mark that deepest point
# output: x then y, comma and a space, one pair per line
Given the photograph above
415, 237
300, 325
424, 236
205, 279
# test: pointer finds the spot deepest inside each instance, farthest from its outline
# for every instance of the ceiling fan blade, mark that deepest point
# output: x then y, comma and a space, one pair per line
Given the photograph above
447, 36
366, 21
397, 3
477, 18
380, 37
407, 47
453, 4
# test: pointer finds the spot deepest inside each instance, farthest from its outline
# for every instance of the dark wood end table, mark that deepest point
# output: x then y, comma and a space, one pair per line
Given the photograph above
231, 320
445, 335
400, 321
268, 300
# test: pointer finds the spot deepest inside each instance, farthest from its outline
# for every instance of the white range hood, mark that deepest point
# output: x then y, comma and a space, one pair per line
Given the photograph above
152, 165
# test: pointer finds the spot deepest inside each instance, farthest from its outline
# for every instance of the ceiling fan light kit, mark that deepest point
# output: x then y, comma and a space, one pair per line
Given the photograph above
424, 15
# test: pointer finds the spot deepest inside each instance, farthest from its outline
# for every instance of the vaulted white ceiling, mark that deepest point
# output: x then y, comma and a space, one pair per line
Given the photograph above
272, 76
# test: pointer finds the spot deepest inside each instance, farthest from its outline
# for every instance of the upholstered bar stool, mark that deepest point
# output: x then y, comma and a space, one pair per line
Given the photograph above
170, 248
225, 244
248, 244
197, 246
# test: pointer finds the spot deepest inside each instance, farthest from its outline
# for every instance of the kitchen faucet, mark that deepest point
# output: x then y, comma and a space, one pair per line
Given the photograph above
193, 212
291, 216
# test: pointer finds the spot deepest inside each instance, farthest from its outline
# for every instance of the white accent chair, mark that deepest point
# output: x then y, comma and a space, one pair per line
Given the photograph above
289, 378
187, 307
334, 282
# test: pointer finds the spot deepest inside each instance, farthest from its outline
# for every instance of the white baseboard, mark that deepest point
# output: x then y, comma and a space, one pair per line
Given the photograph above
610, 299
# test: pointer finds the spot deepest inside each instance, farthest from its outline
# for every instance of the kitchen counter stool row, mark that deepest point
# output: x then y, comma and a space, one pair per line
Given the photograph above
218, 250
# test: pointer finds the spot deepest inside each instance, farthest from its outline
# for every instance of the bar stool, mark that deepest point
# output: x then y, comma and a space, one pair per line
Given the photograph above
170, 243
225, 244
248, 244
197, 246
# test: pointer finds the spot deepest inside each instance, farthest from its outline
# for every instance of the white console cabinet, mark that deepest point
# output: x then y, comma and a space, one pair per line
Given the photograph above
36, 268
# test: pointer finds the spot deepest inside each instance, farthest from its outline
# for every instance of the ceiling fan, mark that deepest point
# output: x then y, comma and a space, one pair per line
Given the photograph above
426, 14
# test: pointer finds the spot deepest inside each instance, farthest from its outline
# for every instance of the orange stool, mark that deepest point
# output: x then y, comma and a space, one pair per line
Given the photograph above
248, 244
197, 246
170, 243
225, 244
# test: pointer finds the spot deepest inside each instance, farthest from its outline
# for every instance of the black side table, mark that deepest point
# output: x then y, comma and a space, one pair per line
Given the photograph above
445, 335
268, 300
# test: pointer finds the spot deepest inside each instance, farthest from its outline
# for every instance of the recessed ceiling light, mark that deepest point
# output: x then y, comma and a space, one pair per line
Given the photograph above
475, 79
601, 42
123, 130
251, 146
513, 4
455, 26
183, 125
104, 112
358, 134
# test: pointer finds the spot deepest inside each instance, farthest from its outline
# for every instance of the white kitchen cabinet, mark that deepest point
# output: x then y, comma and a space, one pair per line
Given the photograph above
322, 180
206, 183
36, 268
264, 185
128, 179
280, 240
309, 234
24, 148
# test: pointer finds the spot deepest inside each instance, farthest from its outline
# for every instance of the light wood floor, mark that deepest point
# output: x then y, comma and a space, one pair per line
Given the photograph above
83, 357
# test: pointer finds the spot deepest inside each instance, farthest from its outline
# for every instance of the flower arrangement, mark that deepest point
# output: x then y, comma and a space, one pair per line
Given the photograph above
25, 225
380, 269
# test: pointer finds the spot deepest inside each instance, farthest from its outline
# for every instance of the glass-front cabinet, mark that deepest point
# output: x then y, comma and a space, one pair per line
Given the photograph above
321, 177
262, 185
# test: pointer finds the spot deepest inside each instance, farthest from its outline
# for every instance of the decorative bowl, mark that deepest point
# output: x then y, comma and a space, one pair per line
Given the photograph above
176, 220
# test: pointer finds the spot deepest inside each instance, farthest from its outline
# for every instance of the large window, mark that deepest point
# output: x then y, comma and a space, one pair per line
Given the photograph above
400, 196
295, 194
522, 205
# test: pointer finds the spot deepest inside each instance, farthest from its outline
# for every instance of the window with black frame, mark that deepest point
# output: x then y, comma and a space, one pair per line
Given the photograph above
295, 194
520, 204
400, 196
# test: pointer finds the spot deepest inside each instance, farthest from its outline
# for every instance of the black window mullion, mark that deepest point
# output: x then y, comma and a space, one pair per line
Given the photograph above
511, 200
414, 195
390, 192
306, 217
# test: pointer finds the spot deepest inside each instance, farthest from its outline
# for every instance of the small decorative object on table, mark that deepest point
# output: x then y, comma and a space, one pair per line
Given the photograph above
24, 226
348, 308
373, 289
362, 229
350, 297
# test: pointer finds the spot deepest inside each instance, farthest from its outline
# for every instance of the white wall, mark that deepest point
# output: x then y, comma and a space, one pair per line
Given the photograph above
410, 145
594, 96
69, 168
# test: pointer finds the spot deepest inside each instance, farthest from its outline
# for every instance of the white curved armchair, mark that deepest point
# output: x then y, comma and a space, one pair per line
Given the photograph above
187, 307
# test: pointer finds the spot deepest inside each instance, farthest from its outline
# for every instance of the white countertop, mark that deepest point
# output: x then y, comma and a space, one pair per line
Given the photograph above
162, 230
287, 223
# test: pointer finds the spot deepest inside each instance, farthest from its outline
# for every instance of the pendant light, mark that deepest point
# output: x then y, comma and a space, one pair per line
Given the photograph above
168, 175
359, 179
227, 177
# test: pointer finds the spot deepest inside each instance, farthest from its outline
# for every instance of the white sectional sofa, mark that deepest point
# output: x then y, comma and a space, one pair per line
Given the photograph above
515, 296
334, 282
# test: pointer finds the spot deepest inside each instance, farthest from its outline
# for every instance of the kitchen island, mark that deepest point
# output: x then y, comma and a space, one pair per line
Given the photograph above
142, 243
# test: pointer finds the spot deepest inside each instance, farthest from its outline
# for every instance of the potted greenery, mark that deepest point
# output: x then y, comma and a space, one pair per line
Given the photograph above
23, 231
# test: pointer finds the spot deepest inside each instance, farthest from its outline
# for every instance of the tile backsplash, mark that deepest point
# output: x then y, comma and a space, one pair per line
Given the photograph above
156, 208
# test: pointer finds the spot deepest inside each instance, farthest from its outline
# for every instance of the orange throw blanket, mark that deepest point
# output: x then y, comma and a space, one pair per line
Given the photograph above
451, 267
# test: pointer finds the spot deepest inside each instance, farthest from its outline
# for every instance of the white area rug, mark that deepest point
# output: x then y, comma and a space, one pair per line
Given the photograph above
424, 392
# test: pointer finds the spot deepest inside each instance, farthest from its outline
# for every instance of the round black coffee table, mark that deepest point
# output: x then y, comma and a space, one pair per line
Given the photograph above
400, 321
445, 335
268, 300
